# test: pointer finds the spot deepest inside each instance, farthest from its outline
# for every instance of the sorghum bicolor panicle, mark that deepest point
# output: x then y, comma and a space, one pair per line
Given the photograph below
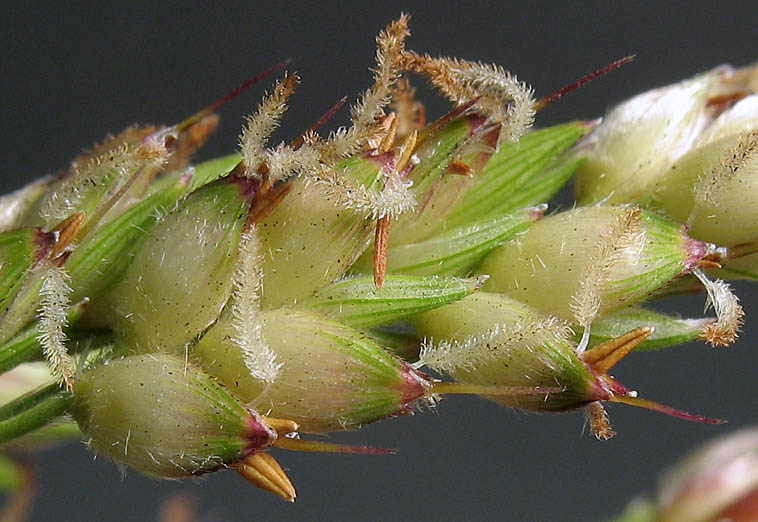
316, 281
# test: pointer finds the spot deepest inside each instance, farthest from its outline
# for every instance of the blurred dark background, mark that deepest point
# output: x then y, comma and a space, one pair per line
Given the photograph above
71, 74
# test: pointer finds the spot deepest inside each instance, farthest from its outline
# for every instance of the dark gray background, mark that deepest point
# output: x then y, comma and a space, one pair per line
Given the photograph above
69, 75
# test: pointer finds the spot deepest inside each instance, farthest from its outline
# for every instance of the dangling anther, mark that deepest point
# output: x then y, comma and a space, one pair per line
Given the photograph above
263, 471
599, 422
388, 141
381, 244
605, 355
381, 238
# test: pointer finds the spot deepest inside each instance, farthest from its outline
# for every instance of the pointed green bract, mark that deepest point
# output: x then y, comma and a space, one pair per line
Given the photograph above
181, 275
456, 251
494, 340
520, 174
208, 171
640, 139
101, 260
19, 250
464, 143
164, 418
311, 238
24, 306
359, 304
332, 377
614, 256
32, 411
669, 330
15, 205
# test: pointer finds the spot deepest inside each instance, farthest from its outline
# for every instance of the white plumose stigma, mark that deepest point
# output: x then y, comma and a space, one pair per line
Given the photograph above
500, 96
364, 114
729, 313
504, 98
52, 320
613, 246
263, 122
118, 163
478, 350
246, 315
65, 200
283, 160
394, 199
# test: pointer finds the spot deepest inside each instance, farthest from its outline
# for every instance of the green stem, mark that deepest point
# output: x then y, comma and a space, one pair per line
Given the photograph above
32, 411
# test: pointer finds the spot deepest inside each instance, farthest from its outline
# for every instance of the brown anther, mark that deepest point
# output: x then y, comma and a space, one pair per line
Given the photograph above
388, 140
605, 355
460, 168
281, 426
263, 471
381, 244
725, 100
406, 151
707, 263
67, 230
599, 423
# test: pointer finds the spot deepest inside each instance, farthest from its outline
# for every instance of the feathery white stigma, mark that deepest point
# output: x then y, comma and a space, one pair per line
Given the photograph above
394, 199
260, 125
52, 321
246, 317
613, 247
479, 350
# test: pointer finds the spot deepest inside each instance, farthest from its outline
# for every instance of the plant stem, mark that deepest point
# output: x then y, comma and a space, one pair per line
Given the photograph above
32, 411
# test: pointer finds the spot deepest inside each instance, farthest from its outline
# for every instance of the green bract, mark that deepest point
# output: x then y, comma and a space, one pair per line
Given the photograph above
609, 256
332, 377
181, 275
164, 418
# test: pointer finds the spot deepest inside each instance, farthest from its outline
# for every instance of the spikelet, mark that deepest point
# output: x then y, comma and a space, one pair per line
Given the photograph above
246, 316
612, 247
729, 314
52, 320
478, 350
499, 94
710, 184
264, 121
